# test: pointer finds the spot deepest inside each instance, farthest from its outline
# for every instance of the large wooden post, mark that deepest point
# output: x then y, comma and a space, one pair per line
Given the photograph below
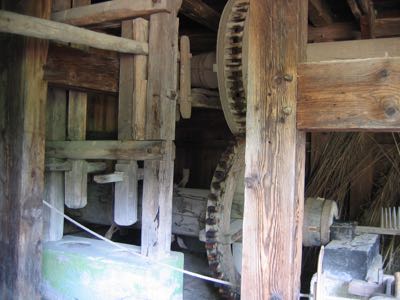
274, 183
22, 136
160, 124
56, 121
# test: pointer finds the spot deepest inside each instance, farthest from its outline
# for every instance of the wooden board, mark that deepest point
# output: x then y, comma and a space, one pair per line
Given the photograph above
44, 29
350, 95
109, 11
274, 152
22, 126
137, 150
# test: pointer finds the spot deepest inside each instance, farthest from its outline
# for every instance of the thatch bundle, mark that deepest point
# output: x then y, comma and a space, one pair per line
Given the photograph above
338, 162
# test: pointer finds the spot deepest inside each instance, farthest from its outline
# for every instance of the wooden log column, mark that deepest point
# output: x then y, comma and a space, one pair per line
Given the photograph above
22, 137
275, 152
160, 124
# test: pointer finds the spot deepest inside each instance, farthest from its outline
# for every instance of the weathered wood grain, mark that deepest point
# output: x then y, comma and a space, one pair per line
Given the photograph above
387, 27
56, 120
350, 95
76, 179
372, 48
22, 138
85, 70
274, 152
126, 194
160, 124
132, 104
109, 11
200, 12
77, 110
126, 150
333, 32
185, 85
90, 70
44, 29
319, 13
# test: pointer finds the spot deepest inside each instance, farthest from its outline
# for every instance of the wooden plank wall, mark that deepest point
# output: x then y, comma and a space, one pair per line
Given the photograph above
275, 150
22, 137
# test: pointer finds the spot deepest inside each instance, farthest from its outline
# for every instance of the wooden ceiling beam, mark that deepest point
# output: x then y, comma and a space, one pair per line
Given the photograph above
109, 11
349, 95
319, 13
200, 12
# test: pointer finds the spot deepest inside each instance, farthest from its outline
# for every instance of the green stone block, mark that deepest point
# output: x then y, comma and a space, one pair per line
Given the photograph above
82, 268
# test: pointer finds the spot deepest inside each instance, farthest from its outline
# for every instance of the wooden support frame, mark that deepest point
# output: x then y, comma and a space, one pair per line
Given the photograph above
109, 11
114, 150
275, 152
22, 138
131, 120
160, 124
44, 29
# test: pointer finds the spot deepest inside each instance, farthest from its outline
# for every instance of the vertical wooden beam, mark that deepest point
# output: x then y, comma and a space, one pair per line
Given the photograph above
56, 114
22, 137
275, 154
160, 124
76, 179
131, 119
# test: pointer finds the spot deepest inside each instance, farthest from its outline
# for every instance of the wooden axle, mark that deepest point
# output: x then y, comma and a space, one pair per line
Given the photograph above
44, 29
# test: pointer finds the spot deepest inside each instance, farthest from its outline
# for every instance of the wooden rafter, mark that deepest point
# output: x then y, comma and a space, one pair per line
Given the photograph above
319, 13
200, 12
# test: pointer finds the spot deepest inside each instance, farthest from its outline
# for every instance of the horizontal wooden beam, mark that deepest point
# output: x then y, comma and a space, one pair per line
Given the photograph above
126, 150
96, 70
349, 95
109, 11
386, 27
85, 70
44, 29
358, 49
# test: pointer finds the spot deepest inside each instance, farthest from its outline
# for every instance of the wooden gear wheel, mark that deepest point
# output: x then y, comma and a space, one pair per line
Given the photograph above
231, 59
224, 217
